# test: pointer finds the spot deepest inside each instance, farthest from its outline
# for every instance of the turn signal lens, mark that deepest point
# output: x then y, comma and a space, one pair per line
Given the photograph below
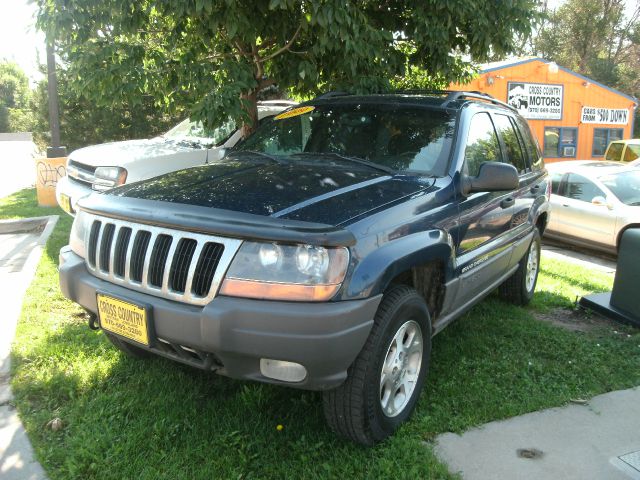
234, 287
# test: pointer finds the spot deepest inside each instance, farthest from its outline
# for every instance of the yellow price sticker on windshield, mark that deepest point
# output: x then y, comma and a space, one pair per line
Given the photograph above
294, 113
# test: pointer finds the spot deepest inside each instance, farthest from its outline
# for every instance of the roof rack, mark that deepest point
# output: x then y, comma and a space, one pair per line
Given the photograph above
454, 95
451, 96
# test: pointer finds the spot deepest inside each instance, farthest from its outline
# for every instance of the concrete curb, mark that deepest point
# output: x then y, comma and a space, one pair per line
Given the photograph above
17, 459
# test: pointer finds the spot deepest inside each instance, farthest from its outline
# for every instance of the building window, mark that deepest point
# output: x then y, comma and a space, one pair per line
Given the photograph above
602, 137
560, 142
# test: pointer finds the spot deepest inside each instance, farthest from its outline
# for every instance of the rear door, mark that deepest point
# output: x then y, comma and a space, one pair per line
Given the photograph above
530, 186
485, 217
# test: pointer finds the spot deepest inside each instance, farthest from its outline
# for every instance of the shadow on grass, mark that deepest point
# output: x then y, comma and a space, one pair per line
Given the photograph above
155, 419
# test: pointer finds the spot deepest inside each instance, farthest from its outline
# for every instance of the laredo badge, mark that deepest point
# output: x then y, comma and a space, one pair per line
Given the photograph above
294, 113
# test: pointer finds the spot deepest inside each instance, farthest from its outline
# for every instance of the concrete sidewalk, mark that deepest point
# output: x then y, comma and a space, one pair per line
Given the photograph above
599, 440
602, 262
21, 244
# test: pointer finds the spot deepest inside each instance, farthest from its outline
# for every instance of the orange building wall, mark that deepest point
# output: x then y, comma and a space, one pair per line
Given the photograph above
578, 92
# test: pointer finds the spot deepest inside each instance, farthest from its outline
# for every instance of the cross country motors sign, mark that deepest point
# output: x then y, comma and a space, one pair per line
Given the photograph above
536, 101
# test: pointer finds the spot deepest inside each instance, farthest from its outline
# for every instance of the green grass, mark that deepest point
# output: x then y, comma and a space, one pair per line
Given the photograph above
156, 419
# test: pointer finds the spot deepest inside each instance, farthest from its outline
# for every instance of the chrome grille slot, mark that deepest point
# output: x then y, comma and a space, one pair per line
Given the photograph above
159, 259
122, 244
137, 255
105, 247
180, 265
93, 243
206, 267
173, 264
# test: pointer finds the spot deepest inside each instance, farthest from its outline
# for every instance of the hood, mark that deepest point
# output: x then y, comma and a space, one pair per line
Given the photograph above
321, 192
122, 153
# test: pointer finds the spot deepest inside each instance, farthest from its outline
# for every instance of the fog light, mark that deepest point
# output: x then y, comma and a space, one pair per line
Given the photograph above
281, 370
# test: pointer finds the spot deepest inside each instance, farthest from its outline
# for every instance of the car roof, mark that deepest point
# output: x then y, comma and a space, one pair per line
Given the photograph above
629, 141
592, 168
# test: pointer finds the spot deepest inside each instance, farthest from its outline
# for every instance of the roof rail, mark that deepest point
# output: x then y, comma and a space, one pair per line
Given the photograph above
331, 94
461, 95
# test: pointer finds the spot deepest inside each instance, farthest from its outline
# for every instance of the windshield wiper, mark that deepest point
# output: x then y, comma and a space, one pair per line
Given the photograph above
259, 154
349, 158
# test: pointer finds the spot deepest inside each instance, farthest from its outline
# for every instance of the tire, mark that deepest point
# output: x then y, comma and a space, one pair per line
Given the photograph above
520, 287
354, 410
130, 350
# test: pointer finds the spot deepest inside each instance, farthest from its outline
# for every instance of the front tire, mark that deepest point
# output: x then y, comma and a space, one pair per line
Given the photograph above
385, 380
520, 287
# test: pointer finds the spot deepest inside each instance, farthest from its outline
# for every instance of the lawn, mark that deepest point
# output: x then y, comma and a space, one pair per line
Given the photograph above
155, 419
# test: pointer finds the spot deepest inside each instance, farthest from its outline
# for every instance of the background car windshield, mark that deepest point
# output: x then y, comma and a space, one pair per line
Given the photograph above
188, 130
400, 137
625, 186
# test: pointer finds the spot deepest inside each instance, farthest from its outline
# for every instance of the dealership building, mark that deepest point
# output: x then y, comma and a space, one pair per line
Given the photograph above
573, 117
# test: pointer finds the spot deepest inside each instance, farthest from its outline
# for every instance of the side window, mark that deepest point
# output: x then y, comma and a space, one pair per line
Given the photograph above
509, 136
581, 188
631, 153
482, 144
614, 152
556, 181
531, 145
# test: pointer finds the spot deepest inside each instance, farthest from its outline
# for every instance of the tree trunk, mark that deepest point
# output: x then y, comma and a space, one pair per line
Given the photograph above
250, 101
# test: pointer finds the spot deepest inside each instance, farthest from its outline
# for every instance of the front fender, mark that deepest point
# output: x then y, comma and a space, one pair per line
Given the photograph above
375, 271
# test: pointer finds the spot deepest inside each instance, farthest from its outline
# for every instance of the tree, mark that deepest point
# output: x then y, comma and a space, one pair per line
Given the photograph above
594, 38
83, 123
216, 55
14, 98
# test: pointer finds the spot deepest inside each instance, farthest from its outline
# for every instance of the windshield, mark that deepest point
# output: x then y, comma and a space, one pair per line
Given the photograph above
195, 131
625, 186
398, 137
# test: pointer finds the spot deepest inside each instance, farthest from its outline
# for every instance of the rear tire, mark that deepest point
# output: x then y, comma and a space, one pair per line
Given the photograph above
130, 350
384, 382
520, 287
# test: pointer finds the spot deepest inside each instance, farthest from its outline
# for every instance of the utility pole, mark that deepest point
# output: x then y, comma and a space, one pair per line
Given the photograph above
55, 150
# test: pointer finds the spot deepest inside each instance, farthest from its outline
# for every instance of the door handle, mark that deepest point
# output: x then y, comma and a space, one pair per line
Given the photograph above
535, 189
507, 202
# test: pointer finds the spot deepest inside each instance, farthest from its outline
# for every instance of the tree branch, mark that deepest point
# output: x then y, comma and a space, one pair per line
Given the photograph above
285, 47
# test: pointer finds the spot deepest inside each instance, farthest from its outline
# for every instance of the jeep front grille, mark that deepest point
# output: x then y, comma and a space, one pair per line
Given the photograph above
182, 266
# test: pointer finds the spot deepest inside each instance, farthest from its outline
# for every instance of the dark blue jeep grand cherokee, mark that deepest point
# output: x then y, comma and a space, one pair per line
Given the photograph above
324, 251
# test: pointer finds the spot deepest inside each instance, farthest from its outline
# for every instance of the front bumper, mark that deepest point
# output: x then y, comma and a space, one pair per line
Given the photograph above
233, 334
72, 189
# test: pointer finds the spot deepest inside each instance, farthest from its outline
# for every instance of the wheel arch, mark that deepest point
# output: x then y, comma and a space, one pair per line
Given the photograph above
417, 260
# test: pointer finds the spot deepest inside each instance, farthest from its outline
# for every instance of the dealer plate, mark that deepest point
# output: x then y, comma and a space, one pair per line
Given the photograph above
65, 203
123, 318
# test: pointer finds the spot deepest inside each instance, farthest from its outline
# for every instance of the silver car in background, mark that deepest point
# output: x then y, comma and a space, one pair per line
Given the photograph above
593, 202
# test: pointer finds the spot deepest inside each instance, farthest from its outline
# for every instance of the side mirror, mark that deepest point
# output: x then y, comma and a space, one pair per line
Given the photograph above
600, 201
492, 177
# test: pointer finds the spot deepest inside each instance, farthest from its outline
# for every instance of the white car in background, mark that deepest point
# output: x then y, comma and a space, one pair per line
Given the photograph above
593, 202
108, 165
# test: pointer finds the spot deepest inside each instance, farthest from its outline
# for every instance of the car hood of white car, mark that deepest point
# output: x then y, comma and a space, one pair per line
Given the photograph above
123, 153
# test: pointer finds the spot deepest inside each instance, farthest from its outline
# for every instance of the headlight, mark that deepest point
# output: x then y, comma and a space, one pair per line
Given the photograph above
286, 272
79, 232
109, 177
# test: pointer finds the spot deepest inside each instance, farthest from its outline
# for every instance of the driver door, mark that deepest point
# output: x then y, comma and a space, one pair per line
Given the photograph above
578, 217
